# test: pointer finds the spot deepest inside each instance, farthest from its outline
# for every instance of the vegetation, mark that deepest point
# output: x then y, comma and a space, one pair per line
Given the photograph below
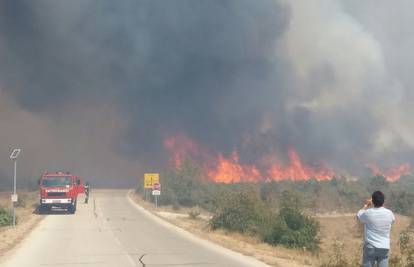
194, 213
242, 212
278, 212
184, 187
338, 258
188, 187
245, 212
6, 217
292, 227
406, 243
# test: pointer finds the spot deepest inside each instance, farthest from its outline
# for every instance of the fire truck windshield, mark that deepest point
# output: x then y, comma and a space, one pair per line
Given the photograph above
56, 181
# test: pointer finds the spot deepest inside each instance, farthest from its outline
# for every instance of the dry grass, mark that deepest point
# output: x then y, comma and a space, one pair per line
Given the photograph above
340, 230
27, 219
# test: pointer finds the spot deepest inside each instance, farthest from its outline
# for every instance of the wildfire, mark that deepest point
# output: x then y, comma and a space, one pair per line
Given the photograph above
392, 174
222, 169
297, 170
180, 148
229, 170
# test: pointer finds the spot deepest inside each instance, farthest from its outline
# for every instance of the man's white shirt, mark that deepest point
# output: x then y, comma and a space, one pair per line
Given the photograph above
377, 226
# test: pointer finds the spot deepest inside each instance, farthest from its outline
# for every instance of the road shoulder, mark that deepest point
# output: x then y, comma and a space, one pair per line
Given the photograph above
214, 242
11, 238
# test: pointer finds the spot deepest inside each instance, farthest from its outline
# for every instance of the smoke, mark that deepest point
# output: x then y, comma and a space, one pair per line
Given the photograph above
95, 87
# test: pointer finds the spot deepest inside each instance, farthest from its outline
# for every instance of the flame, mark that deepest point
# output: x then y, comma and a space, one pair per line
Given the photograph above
297, 170
392, 174
222, 169
180, 147
229, 170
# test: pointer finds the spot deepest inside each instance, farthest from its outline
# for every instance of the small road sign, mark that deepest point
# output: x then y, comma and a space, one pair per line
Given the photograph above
156, 186
150, 179
15, 153
14, 198
156, 192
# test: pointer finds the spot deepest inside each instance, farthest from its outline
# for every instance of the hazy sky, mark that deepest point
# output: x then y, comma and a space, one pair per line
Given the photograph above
95, 86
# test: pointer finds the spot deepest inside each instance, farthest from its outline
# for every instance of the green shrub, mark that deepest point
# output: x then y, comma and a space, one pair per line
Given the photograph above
6, 217
242, 212
293, 228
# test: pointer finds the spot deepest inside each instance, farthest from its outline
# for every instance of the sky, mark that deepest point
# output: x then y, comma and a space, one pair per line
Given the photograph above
95, 87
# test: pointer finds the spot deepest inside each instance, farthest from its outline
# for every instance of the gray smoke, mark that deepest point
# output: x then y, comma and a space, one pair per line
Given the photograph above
95, 86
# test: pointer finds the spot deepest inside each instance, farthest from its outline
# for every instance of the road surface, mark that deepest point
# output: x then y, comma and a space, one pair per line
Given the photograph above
113, 231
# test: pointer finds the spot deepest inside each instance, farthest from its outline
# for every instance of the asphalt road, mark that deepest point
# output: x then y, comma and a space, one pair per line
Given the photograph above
113, 231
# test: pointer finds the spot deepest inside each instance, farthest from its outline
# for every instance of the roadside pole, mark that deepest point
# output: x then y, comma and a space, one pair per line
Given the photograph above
14, 192
150, 179
156, 191
14, 197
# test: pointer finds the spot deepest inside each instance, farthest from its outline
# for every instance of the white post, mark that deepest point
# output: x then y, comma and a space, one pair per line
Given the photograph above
14, 192
13, 157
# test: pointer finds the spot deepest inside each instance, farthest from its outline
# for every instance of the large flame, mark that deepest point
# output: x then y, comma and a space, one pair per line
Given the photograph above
222, 169
229, 170
392, 174
297, 170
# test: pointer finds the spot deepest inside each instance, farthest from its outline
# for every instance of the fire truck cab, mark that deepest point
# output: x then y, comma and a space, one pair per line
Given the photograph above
60, 190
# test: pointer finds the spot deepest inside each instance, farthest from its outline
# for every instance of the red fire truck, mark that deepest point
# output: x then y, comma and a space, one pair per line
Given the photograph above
60, 190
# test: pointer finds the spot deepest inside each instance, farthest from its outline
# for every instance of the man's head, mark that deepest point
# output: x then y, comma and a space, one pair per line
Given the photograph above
378, 199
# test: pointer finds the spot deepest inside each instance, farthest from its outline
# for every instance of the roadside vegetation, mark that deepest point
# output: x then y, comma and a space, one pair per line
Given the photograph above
295, 215
188, 187
26, 218
26, 205
6, 217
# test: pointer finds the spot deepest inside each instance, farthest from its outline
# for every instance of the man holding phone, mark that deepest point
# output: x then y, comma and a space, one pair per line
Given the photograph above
377, 222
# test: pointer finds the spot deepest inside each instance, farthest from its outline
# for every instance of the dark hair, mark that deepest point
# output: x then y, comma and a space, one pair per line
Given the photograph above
378, 199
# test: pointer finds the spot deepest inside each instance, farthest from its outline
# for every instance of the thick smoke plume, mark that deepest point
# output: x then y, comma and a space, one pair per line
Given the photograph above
96, 87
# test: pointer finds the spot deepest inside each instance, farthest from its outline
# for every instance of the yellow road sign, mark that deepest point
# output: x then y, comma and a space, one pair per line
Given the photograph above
150, 179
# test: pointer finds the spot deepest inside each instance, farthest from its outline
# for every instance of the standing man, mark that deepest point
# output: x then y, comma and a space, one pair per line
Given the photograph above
87, 192
377, 222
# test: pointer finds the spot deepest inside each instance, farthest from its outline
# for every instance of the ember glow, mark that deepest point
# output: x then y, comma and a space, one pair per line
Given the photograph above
229, 169
392, 174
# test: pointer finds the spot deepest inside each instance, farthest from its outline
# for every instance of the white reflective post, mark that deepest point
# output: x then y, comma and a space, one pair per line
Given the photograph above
14, 192
14, 156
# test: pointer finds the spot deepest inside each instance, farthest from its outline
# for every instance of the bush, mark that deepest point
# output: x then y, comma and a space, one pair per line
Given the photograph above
6, 217
293, 228
242, 212
194, 213
337, 258
22, 201
406, 243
